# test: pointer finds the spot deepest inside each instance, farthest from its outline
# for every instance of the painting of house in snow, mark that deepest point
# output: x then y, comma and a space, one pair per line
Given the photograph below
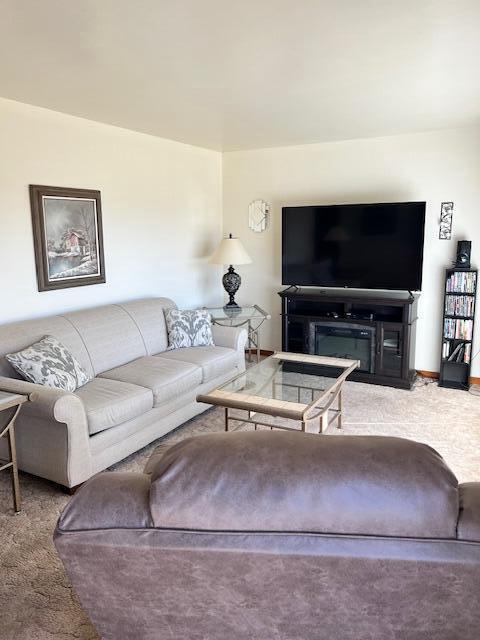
75, 241
68, 236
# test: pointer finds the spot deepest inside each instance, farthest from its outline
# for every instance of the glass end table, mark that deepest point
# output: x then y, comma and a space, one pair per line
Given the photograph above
250, 316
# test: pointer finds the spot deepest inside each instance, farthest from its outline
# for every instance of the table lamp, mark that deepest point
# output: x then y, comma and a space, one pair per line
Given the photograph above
230, 251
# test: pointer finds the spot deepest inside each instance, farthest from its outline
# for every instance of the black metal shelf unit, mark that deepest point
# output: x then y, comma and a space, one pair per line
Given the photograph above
457, 329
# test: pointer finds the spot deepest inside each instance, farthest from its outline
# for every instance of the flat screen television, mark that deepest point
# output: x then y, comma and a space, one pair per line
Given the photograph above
365, 246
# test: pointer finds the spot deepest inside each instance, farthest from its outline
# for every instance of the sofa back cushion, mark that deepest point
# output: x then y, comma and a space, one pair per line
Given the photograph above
100, 338
20, 335
297, 482
111, 336
149, 317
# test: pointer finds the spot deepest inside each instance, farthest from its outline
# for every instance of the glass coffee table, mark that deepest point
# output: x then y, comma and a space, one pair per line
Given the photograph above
298, 390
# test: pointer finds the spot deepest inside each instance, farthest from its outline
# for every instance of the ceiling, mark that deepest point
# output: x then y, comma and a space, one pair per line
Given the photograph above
241, 74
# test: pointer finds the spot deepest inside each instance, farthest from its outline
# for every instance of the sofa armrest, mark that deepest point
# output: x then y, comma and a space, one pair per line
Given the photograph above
468, 527
109, 500
231, 337
47, 402
54, 416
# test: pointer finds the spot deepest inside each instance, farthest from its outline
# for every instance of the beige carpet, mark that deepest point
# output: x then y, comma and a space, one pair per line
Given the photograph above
36, 601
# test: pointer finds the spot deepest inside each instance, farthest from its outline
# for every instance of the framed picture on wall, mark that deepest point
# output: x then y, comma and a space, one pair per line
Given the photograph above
67, 236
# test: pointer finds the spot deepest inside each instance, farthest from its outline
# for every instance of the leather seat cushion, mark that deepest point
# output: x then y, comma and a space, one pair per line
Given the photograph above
167, 379
293, 481
214, 361
109, 403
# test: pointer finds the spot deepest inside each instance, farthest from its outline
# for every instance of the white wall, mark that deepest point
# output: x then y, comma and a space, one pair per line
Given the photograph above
161, 204
162, 209
435, 166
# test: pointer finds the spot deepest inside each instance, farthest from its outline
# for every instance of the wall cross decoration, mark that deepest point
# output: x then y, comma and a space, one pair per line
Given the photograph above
446, 216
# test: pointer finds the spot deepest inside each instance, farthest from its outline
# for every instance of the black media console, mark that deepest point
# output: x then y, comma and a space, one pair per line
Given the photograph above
375, 327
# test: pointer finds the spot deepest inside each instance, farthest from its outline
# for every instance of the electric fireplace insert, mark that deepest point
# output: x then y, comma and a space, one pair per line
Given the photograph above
344, 340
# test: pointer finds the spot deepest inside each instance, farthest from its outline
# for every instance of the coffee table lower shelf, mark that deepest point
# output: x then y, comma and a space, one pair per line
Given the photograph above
311, 426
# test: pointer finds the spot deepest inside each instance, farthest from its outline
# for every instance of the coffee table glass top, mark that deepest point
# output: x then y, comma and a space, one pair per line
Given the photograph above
290, 377
287, 385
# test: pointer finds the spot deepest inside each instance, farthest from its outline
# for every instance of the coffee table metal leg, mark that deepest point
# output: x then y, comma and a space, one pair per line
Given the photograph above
226, 418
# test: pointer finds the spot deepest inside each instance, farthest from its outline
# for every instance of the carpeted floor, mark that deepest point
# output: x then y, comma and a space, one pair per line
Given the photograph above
36, 601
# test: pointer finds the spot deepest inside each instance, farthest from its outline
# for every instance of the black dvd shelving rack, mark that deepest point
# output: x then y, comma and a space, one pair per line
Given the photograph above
458, 322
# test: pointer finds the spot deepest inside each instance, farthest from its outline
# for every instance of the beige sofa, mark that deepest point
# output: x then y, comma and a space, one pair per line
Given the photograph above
140, 390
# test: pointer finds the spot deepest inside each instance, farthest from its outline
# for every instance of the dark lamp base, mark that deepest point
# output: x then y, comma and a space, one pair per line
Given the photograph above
231, 284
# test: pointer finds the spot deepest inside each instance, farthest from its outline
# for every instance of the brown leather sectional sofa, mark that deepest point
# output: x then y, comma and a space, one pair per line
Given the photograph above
279, 536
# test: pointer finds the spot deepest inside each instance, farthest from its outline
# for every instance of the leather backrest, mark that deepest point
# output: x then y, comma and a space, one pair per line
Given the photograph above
468, 527
297, 482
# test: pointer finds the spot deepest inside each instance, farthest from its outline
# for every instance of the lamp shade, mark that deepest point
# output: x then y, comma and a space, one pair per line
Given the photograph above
230, 251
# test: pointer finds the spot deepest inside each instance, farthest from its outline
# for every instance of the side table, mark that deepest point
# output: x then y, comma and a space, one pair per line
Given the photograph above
10, 404
250, 316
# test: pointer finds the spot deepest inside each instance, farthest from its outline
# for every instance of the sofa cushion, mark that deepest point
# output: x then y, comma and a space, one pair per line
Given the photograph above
293, 481
214, 361
188, 328
18, 335
167, 379
48, 362
109, 403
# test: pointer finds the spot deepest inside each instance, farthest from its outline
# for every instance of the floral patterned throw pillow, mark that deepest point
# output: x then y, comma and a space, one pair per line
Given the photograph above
50, 363
188, 328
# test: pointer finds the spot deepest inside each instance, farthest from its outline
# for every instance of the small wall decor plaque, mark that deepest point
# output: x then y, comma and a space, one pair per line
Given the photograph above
258, 212
67, 236
446, 216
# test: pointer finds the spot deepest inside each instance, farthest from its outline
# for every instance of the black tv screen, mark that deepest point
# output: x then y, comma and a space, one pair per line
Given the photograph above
365, 246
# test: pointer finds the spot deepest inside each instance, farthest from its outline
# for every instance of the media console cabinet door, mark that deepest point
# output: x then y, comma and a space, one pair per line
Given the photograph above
296, 336
390, 349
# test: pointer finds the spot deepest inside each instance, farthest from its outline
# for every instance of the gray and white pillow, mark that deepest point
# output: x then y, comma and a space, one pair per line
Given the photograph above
188, 328
50, 363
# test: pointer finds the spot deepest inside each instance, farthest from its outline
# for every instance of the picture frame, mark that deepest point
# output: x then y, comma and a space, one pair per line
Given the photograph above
258, 214
67, 237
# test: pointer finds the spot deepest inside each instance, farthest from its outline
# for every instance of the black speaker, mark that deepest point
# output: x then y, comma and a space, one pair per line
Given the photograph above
464, 249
